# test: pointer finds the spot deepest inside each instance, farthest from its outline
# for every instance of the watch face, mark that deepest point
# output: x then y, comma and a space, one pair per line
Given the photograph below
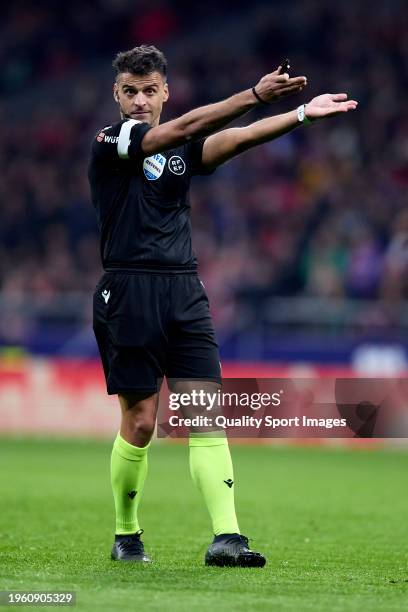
301, 113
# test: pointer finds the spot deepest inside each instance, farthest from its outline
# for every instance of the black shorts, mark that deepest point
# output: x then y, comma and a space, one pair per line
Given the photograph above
150, 325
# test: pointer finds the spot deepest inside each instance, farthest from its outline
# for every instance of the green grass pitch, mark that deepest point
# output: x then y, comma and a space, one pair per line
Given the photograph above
332, 522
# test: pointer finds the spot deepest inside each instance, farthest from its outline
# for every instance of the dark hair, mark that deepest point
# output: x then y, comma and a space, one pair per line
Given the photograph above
141, 60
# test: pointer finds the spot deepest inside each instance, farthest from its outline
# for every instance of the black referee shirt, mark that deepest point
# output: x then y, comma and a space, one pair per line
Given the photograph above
142, 203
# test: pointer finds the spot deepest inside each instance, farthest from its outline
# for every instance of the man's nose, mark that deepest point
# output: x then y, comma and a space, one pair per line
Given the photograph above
140, 99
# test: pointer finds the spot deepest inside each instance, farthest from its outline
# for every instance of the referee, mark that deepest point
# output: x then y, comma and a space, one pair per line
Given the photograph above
151, 314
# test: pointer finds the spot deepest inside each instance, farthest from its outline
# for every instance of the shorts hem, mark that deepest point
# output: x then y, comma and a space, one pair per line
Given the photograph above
214, 378
122, 390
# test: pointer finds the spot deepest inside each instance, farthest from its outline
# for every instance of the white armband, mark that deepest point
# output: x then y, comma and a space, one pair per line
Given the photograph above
124, 138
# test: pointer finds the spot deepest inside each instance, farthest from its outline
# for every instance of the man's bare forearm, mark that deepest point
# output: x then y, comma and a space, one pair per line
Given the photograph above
267, 129
224, 145
198, 122
208, 119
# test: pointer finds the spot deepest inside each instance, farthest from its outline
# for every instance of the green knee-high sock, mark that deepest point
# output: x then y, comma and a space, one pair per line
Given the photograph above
212, 472
128, 474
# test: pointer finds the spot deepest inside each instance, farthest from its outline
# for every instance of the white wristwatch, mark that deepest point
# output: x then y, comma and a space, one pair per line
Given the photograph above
302, 115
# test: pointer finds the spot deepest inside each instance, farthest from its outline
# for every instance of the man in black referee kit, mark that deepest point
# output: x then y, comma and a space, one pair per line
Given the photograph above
151, 314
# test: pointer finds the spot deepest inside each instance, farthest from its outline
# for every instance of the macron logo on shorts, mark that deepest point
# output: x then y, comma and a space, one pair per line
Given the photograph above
106, 295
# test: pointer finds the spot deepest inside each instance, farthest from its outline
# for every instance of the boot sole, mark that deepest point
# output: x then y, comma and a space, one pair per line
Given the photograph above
243, 560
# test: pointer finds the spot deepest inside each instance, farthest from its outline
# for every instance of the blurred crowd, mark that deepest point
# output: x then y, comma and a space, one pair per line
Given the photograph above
321, 211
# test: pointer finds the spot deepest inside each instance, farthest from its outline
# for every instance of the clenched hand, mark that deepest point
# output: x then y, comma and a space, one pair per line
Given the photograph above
274, 86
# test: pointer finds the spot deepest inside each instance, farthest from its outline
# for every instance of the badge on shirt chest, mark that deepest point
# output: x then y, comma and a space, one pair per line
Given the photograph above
176, 165
153, 166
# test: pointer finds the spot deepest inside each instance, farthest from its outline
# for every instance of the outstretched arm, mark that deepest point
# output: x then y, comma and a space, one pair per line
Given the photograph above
208, 119
224, 145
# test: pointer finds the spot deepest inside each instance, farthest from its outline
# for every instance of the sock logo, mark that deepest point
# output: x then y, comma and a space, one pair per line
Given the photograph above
132, 494
229, 482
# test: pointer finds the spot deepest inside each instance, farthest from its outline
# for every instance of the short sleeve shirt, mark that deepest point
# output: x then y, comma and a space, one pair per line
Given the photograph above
142, 202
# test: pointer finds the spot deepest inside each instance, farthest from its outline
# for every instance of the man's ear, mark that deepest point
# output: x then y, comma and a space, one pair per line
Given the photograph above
115, 92
166, 92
